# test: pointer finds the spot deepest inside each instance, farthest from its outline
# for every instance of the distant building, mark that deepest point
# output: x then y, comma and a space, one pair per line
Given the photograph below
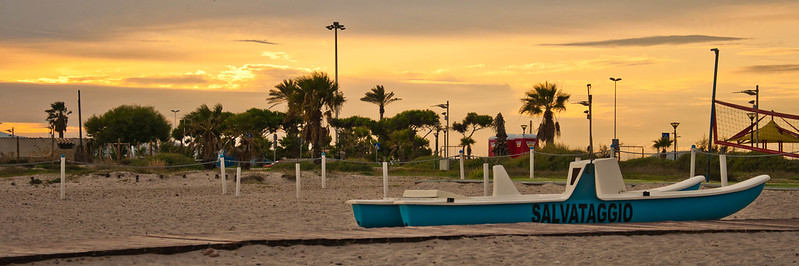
36, 149
518, 144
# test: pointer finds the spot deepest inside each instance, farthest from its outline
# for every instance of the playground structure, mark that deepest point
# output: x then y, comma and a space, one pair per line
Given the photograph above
754, 129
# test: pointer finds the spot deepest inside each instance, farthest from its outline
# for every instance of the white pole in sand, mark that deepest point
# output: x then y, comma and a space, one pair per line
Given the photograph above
485, 179
532, 163
693, 161
63, 176
461, 154
297, 173
238, 181
385, 180
723, 170
324, 169
223, 177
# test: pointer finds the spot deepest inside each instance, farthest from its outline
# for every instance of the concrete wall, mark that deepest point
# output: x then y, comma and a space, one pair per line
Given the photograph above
35, 148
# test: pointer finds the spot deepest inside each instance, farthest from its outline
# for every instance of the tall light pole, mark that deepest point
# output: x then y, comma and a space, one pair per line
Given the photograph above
335, 27
615, 140
614, 104
176, 117
712, 112
446, 129
675, 124
756, 103
524, 128
590, 123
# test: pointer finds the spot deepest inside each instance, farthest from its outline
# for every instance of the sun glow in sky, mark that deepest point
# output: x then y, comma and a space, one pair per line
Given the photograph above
479, 56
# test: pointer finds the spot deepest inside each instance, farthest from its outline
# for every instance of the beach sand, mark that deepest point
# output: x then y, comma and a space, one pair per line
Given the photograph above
100, 207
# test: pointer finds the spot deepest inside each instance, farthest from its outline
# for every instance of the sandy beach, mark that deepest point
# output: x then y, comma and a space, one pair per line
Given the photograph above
100, 207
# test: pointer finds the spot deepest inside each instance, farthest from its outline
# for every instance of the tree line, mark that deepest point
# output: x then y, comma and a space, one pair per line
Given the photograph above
306, 125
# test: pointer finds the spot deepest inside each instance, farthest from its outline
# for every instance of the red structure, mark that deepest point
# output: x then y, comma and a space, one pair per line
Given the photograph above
518, 144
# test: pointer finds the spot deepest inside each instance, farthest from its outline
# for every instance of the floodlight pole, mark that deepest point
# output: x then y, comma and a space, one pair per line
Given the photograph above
175, 117
712, 113
614, 104
757, 120
590, 125
675, 124
335, 27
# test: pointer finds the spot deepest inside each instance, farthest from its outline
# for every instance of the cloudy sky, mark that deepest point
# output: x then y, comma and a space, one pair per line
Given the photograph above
480, 56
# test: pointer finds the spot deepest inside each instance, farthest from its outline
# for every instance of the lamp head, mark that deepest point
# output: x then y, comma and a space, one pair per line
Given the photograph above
675, 124
751, 116
748, 92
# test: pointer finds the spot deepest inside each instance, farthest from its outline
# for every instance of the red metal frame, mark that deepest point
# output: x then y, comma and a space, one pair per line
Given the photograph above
741, 146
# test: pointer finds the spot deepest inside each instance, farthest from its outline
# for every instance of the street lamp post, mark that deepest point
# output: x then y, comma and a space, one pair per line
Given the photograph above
590, 123
751, 128
675, 124
524, 128
446, 129
615, 139
176, 117
756, 102
614, 104
712, 111
335, 27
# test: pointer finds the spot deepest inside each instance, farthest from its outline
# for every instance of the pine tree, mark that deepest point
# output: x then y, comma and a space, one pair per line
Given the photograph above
501, 147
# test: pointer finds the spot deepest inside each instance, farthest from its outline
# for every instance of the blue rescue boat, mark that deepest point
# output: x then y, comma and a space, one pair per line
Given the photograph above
594, 193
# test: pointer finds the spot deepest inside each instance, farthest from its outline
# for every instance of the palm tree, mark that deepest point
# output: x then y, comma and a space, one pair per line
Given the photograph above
662, 143
205, 127
309, 98
545, 98
57, 117
379, 96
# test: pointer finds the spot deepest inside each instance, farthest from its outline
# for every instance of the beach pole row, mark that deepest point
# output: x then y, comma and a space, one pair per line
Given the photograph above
485, 179
532, 162
297, 180
385, 180
324, 169
723, 169
223, 177
693, 161
238, 181
461, 164
63, 176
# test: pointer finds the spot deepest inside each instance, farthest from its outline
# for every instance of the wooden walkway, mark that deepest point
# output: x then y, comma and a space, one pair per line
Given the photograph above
170, 244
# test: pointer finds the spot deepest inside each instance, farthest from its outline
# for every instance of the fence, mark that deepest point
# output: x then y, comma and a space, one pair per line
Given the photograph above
385, 165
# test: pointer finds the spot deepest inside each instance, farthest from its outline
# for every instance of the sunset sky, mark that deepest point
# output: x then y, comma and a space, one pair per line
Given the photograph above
481, 56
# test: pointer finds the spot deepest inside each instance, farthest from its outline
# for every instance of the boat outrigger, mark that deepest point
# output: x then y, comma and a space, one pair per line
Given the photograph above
594, 193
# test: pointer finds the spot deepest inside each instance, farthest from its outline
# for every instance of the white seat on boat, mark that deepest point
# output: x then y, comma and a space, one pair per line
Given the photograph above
608, 176
503, 186
431, 193
575, 170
